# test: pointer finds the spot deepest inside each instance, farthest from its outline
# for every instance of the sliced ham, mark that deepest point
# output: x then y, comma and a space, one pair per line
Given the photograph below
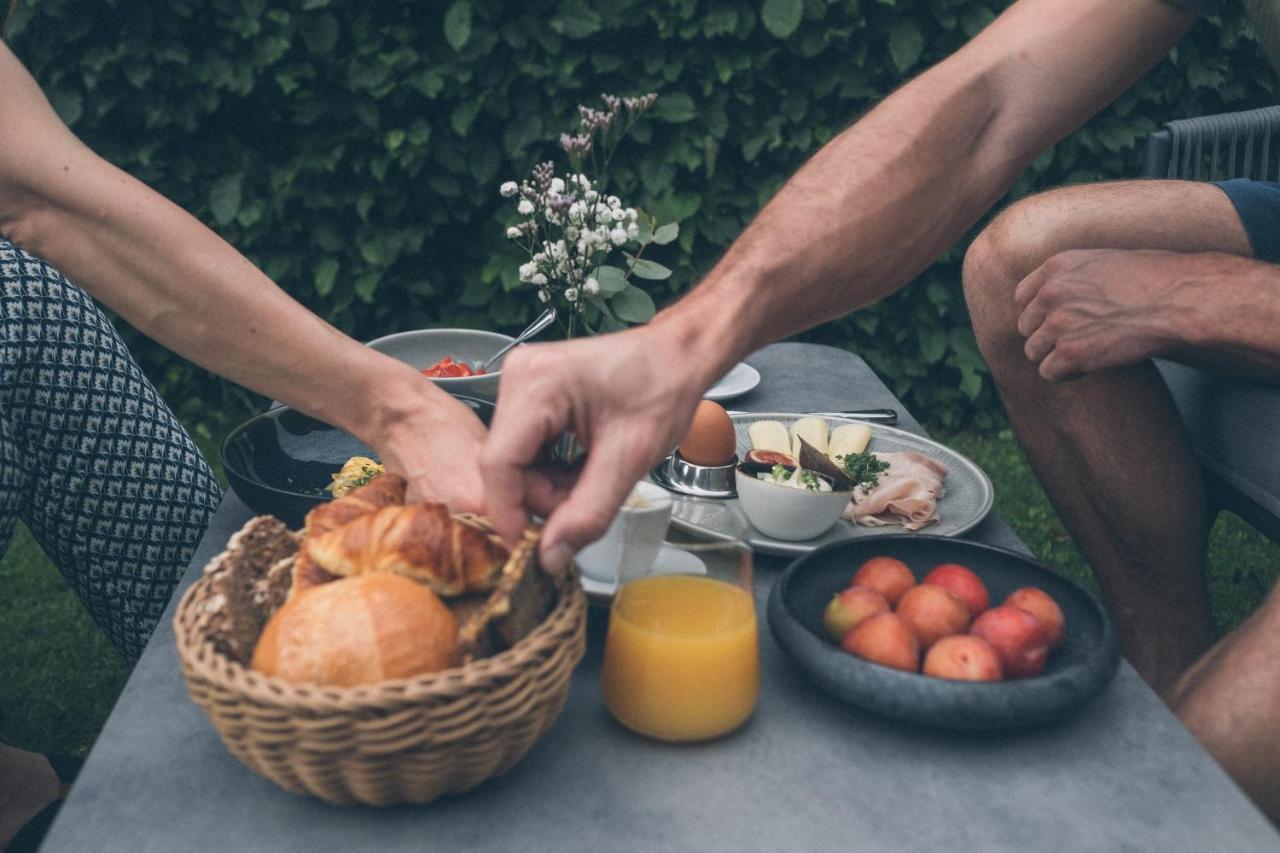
907, 494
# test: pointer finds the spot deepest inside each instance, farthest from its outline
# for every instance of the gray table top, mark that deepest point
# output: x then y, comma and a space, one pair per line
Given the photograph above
806, 773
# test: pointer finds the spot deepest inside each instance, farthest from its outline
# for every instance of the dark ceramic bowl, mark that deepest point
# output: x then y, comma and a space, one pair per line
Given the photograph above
1076, 671
280, 462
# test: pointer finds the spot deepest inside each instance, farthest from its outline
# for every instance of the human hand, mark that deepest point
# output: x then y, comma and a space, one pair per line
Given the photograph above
435, 443
1089, 310
626, 396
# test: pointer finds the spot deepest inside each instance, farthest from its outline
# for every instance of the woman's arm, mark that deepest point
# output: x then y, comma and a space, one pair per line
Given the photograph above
183, 286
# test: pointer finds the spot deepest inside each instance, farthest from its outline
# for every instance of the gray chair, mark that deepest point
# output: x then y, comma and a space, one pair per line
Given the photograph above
1234, 425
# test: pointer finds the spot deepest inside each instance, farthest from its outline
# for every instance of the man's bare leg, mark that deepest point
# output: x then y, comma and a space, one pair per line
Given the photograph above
1108, 448
1230, 700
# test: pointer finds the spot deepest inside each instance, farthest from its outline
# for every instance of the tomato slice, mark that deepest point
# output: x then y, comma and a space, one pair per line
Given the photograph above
447, 368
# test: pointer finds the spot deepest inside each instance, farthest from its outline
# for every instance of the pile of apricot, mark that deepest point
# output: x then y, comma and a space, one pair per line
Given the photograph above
943, 626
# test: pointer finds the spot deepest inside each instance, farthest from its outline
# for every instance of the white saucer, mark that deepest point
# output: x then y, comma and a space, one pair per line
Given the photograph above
672, 560
741, 379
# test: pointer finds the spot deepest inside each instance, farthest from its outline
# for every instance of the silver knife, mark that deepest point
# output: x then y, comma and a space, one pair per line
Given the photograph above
875, 416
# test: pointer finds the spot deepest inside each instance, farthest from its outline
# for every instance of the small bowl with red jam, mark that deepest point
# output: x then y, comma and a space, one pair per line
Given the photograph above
450, 357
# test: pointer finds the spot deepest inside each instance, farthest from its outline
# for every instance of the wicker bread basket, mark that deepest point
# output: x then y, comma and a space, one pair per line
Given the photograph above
403, 741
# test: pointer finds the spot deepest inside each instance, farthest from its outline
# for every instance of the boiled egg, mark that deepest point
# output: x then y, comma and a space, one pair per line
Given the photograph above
710, 439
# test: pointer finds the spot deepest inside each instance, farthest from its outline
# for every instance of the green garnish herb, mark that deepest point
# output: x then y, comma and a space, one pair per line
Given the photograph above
863, 468
810, 480
366, 474
779, 472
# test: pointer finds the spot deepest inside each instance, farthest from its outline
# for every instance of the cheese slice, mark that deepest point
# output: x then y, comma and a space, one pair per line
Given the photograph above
769, 435
811, 429
847, 439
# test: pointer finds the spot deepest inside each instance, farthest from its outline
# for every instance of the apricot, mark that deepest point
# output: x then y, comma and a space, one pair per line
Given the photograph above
849, 607
964, 583
963, 657
886, 575
1041, 605
1018, 638
884, 639
933, 612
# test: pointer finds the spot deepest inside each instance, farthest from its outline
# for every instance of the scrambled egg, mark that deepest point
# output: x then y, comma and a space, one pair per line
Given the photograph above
357, 471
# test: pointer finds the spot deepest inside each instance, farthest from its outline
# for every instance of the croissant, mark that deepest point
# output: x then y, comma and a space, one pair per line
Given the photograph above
384, 490
423, 542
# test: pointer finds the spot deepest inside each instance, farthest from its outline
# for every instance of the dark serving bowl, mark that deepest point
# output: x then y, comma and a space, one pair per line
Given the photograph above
280, 462
1076, 671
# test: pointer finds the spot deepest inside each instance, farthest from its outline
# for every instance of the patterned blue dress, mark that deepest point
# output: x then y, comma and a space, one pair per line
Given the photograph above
91, 459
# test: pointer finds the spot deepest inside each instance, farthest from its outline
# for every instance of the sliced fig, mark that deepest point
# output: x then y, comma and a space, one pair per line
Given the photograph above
815, 460
771, 458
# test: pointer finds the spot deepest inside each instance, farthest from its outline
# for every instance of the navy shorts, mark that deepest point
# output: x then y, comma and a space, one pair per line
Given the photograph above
1258, 203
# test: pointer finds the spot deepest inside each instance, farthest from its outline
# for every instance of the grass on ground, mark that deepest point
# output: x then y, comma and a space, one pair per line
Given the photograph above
61, 676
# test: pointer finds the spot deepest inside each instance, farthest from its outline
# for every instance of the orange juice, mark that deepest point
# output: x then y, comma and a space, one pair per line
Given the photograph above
681, 659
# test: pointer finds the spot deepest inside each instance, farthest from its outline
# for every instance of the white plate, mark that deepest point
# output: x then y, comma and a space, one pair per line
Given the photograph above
738, 381
672, 560
966, 501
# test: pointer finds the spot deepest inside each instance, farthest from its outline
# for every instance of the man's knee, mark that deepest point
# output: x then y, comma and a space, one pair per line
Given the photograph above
1013, 245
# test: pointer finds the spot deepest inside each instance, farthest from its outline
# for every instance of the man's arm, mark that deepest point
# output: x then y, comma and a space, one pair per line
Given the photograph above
183, 286
866, 214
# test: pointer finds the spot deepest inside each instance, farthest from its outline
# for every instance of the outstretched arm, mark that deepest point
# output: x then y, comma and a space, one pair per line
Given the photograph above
182, 285
865, 215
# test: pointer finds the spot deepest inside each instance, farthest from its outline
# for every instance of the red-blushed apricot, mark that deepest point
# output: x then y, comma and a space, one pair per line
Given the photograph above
964, 583
886, 575
849, 607
933, 613
1018, 638
884, 639
963, 657
1041, 605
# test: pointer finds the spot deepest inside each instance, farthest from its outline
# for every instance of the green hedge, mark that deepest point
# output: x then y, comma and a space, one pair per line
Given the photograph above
354, 150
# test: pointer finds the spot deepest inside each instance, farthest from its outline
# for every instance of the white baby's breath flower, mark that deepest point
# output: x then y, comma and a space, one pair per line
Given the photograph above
513, 233
633, 231
525, 207
614, 201
577, 209
527, 271
618, 236
508, 189
571, 294
632, 214
591, 286
592, 195
619, 214
539, 279
544, 295
557, 185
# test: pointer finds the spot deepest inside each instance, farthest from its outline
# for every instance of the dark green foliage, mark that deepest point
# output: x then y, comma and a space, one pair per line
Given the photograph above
354, 151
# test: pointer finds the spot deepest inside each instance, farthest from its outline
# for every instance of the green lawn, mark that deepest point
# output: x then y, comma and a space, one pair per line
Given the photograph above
61, 676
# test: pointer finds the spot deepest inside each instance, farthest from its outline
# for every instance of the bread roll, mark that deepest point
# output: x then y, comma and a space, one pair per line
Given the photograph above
358, 630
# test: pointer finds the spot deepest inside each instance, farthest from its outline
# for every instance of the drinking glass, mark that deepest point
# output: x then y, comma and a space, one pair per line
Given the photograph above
681, 658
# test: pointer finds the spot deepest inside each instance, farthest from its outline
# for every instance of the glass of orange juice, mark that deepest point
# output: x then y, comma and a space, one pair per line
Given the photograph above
681, 658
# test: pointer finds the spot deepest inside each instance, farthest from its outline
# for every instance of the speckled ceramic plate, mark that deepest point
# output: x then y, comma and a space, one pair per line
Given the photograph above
1076, 671
966, 501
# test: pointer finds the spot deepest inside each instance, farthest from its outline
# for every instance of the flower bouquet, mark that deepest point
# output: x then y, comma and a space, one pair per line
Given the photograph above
585, 246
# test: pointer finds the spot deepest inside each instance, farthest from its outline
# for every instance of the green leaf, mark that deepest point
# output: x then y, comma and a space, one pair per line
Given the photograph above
666, 233
651, 270
324, 275
632, 305
675, 108
782, 17
319, 33
224, 198
611, 280
367, 285
457, 24
905, 44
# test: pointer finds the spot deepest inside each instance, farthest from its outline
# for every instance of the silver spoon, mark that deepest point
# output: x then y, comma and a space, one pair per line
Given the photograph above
546, 318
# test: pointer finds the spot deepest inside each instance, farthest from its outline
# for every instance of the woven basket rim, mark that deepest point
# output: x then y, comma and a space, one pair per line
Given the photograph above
202, 659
